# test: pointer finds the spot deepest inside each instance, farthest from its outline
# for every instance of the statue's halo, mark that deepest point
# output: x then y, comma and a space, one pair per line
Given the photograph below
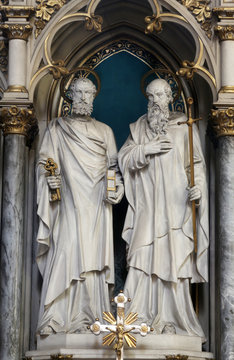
83, 72
162, 71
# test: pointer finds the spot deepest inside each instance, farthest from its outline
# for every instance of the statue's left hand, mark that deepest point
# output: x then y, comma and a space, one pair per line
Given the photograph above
194, 193
118, 195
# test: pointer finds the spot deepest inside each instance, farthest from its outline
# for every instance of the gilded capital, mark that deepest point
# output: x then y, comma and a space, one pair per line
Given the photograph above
16, 31
19, 120
222, 122
225, 32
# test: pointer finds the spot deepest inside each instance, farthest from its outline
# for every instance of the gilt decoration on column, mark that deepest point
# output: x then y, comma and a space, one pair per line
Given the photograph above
19, 120
16, 31
222, 123
225, 32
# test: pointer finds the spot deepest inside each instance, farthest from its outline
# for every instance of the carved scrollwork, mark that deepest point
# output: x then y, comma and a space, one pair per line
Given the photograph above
202, 12
94, 22
16, 31
58, 69
187, 70
19, 120
222, 122
154, 24
44, 11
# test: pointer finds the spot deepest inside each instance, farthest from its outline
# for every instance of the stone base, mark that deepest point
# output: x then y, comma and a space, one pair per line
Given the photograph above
89, 346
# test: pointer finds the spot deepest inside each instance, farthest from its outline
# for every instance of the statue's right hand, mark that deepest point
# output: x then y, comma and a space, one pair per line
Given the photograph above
157, 146
54, 182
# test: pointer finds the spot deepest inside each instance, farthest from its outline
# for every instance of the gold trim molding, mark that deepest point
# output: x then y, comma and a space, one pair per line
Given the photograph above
61, 357
17, 88
225, 32
227, 89
16, 31
177, 357
224, 13
222, 123
19, 120
11, 11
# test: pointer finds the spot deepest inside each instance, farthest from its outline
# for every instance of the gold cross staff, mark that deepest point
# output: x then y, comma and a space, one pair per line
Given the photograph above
190, 122
51, 166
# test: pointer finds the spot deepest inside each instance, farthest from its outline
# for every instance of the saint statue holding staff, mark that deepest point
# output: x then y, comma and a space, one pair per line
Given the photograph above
158, 229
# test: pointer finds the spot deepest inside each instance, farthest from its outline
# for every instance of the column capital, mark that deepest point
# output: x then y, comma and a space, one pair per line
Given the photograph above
222, 122
19, 120
16, 31
225, 32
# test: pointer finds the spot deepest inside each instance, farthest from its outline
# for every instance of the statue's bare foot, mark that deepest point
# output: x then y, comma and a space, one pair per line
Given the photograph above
169, 329
47, 330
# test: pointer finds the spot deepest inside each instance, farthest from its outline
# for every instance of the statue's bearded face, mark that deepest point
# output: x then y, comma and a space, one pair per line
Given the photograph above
159, 96
83, 93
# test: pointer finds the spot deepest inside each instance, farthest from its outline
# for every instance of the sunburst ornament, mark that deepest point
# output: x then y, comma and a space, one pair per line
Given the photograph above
120, 328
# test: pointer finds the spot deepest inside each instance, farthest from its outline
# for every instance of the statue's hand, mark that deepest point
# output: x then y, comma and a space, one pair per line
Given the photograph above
158, 146
194, 193
54, 182
115, 197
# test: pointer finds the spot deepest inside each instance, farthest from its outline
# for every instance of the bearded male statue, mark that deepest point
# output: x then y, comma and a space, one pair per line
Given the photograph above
158, 227
75, 251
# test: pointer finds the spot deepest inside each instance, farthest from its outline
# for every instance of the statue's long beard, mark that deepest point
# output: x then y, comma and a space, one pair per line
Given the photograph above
82, 108
158, 117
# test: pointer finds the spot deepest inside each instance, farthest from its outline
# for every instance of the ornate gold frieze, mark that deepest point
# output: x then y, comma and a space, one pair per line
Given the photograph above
19, 120
222, 122
12, 11
3, 56
44, 11
225, 32
16, 31
202, 13
224, 13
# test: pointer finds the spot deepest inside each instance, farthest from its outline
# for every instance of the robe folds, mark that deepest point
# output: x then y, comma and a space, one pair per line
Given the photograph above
75, 240
158, 226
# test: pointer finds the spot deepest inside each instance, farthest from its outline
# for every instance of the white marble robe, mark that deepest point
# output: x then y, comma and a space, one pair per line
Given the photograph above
158, 227
75, 251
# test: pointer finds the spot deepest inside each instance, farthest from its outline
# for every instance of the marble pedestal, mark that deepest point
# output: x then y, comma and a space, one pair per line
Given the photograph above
89, 346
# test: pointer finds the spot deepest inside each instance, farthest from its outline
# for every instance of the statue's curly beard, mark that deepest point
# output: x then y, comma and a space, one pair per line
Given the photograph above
82, 108
158, 115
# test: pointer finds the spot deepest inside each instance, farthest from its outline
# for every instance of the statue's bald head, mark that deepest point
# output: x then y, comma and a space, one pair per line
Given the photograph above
159, 85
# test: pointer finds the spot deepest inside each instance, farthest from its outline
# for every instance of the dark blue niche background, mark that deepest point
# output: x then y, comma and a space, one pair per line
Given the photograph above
120, 101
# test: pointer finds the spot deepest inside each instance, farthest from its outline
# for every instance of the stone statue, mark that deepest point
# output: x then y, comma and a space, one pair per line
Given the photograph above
158, 227
75, 251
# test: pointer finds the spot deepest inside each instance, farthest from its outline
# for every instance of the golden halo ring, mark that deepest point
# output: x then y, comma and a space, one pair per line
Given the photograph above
162, 71
70, 77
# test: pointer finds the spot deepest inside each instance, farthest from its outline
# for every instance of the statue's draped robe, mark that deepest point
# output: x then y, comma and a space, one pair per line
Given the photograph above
158, 227
75, 252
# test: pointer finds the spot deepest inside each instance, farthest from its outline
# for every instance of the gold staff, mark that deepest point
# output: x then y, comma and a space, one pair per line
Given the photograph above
190, 122
51, 166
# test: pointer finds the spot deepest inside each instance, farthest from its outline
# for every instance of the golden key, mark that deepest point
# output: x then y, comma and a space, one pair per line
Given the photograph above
51, 166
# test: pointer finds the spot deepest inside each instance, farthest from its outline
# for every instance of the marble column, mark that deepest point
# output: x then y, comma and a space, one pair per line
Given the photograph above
12, 245
223, 127
18, 125
225, 227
